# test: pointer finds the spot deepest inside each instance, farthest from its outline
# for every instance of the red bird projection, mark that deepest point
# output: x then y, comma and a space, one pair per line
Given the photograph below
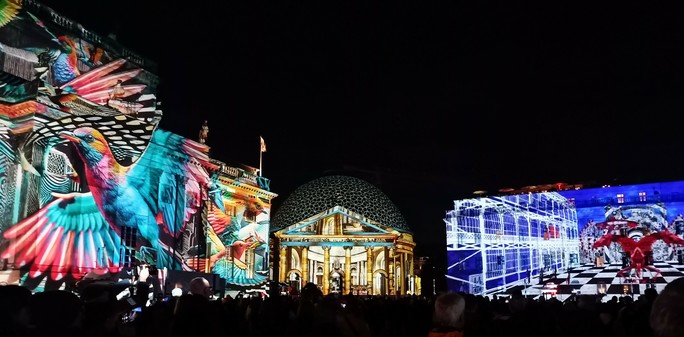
638, 249
613, 224
231, 236
98, 84
234, 254
77, 232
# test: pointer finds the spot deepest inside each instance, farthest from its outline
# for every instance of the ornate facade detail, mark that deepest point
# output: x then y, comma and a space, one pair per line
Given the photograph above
340, 239
352, 193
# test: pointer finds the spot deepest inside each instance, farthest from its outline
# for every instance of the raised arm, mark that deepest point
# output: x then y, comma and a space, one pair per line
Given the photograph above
668, 237
606, 240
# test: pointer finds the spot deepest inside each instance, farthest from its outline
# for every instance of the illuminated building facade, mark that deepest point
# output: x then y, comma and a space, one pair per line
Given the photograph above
88, 182
497, 242
237, 222
344, 235
494, 242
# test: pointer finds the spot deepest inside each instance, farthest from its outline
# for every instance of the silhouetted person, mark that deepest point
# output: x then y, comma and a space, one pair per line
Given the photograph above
13, 302
667, 311
447, 318
200, 286
196, 315
54, 313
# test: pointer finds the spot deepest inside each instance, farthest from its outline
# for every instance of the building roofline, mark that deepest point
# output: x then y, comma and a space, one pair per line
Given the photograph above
49, 15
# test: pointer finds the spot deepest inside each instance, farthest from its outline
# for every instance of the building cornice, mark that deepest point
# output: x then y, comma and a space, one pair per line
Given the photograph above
49, 15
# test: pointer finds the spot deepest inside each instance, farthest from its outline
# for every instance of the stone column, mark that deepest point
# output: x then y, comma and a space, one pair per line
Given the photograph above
369, 270
305, 265
411, 271
283, 264
390, 271
347, 270
326, 270
402, 278
412, 265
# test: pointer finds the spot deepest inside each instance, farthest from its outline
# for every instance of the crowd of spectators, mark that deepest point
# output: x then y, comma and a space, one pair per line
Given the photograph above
311, 314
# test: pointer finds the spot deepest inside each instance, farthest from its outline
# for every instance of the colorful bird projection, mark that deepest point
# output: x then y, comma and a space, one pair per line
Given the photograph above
638, 247
78, 68
79, 231
127, 173
237, 238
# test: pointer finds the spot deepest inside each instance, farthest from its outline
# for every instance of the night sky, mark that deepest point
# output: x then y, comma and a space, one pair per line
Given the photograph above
428, 100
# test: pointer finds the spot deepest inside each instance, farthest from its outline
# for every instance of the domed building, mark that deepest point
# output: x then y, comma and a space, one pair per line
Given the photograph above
344, 235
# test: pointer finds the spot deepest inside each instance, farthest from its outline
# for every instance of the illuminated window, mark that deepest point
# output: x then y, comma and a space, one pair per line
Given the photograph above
642, 196
620, 198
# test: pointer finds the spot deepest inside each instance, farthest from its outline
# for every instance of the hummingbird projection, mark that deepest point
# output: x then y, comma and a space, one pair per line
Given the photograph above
81, 231
90, 167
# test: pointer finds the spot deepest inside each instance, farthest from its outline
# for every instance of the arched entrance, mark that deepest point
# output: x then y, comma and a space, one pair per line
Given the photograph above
380, 282
294, 280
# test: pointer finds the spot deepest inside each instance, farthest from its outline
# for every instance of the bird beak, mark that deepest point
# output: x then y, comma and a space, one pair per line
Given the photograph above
69, 136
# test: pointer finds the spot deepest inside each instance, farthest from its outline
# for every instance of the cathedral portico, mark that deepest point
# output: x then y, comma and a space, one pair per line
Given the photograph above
351, 243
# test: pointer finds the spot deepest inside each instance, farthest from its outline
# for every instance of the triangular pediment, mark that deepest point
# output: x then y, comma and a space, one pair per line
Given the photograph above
337, 221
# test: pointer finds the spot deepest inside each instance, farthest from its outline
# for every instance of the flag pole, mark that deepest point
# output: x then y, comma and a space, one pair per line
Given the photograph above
262, 149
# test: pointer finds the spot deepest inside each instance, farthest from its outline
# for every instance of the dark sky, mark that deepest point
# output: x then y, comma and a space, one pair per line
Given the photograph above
429, 100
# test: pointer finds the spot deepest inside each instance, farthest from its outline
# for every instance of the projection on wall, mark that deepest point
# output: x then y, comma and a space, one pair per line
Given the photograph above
88, 182
62, 66
95, 213
237, 237
653, 207
499, 240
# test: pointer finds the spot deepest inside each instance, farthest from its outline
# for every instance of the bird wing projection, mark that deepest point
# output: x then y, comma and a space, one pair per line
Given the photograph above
154, 196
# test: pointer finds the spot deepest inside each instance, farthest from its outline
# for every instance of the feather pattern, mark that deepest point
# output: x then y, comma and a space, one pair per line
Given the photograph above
60, 237
103, 95
151, 195
107, 81
167, 190
98, 85
83, 80
9, 10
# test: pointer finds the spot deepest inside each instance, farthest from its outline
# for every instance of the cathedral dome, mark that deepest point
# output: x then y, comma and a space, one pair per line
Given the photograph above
324, 193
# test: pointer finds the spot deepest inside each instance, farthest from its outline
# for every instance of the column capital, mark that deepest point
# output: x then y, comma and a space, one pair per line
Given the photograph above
348, 247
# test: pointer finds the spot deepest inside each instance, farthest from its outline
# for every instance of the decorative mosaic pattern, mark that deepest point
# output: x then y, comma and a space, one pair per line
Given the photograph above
324, 193
128, 137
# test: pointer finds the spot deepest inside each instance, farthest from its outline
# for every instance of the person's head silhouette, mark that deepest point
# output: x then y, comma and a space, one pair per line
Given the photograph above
667, 311
201, 287
449, 309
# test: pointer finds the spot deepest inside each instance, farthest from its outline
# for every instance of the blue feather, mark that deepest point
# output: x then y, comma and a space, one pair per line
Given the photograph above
235, 275
160, 175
